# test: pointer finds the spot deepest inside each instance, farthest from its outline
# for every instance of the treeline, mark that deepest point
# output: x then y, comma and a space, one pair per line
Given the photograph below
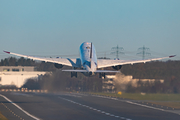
169, 71
153, 70
61, 81
57, 80
40, 66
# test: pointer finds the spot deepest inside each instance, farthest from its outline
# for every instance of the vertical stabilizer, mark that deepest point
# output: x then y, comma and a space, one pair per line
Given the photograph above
90, 55
91, 51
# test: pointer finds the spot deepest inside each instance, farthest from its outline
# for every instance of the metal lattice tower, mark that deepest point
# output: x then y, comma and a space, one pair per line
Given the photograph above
143, 51
117, 50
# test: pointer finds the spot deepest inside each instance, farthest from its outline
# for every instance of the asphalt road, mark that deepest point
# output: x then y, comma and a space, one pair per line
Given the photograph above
77, 106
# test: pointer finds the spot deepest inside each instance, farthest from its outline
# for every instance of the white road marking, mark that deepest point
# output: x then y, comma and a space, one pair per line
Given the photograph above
130, 102
105, 97
32, 116
80, 94
10, 110
107, 113
97, 110
145, 105
71, 95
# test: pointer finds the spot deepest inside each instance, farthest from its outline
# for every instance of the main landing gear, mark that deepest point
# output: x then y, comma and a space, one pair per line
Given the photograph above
102, 75
74, 74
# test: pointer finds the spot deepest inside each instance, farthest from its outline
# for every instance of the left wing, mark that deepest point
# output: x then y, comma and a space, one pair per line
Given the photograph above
63, 61
108, 63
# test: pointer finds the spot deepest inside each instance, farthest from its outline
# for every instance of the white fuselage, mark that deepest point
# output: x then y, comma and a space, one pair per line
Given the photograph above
88, 57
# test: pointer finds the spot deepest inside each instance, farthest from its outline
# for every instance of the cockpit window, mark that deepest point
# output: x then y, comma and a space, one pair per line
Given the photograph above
87, 47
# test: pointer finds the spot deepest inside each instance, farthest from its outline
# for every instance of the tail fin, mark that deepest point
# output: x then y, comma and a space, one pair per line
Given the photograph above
91, 51
90, 54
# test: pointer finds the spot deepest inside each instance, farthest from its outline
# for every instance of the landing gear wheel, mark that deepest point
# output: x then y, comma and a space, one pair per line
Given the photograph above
102, 75
74, 74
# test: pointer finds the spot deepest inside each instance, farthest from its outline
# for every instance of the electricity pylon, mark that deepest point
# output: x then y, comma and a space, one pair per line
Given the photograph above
143, 51
117, 50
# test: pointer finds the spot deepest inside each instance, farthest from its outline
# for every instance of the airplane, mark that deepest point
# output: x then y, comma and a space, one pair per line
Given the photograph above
88, 64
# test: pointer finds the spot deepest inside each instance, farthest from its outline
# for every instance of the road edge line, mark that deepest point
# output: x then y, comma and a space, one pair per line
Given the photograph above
19, 107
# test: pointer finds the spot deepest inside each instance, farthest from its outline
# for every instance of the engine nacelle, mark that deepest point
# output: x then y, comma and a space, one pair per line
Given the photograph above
58, 66
118, 67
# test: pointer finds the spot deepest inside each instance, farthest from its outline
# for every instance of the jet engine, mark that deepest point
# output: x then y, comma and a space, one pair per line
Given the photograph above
58, 66
118, 67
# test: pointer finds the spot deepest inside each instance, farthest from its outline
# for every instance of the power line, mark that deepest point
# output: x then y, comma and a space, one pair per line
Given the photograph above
143, 51
117, 50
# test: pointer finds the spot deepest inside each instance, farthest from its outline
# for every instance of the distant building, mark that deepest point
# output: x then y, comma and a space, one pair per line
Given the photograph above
17, 75
119, 81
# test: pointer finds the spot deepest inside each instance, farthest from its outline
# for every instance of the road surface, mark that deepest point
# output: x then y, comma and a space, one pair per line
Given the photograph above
78, 106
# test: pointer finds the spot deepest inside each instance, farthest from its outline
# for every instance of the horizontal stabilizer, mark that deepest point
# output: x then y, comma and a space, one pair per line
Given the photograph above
97, 71
75, 70
107, 71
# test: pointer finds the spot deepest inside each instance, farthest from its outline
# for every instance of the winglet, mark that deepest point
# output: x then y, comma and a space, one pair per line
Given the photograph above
172, 56
7, 52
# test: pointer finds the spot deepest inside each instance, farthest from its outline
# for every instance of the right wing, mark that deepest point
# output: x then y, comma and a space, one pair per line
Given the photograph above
108, 63
63, 61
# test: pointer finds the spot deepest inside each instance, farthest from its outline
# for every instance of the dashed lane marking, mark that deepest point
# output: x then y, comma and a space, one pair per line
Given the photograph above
138, 104
97, 110
32, 116
10, 110
71, 95
80, 94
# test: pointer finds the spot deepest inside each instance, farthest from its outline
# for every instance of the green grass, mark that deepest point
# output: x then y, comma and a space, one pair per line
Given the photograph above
2, 117
169, 100
175, 105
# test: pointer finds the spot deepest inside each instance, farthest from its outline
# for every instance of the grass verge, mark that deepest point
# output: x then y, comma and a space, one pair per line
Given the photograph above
2, 117
175, 105
169, 100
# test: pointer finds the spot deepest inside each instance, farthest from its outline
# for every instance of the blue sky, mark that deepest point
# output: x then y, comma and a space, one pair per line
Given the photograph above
58, 27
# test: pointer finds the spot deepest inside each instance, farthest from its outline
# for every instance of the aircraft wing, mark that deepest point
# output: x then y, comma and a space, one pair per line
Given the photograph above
63, 61
108, 63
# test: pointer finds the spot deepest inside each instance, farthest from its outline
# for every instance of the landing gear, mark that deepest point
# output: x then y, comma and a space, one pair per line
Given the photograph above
102, 75
74, 74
